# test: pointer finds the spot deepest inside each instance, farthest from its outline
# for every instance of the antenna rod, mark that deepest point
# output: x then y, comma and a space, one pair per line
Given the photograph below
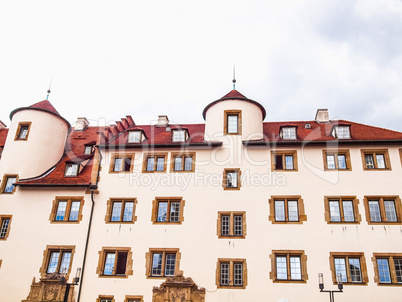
49, 91
234, 77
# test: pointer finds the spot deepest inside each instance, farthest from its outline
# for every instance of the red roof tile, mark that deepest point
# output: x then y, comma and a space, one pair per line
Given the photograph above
234, 94
3, 136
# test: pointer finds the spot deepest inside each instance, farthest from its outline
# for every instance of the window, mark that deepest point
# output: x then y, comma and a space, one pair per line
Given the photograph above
231, 225
231, 179
383, 209
115, 262
67, 209
134, 137
88, 149
71, 170
121, 163
22, 131
337, 160
352, 266
231, 273
232, 122
154, 163
5, 221
57, 260
103, 298
133, 299
287, 209
168, 210
388, 268
179, 135
121, 210
341, 132
288, 266
182, 162
162, 262
288, 133
376, 160
8, 184
284, 160
342, 209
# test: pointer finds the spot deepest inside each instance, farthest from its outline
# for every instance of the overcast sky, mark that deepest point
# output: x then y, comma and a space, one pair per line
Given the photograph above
109, 59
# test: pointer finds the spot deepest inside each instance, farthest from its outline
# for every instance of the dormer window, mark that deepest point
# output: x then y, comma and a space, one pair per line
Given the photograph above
179, 135
88, 150
71, 170
134, 137
341, 132
288, 133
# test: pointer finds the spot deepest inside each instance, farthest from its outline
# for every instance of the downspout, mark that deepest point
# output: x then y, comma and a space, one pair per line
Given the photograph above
92, 187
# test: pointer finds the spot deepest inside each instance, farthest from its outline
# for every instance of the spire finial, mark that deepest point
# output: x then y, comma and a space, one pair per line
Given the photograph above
234, 77
49, 91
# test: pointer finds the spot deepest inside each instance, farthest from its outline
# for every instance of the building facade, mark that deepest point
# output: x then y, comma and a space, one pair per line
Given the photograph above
235, 209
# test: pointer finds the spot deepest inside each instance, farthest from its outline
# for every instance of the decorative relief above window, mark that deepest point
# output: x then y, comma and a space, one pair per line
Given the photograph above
288, 266
337, 160
122, 163
231, 225
22, 131
231, 273
232, 122
285, 160
352, 267
67, 209
115, 262
342, 209
168, 210
287, 209
121, 210
383, 209
376, 159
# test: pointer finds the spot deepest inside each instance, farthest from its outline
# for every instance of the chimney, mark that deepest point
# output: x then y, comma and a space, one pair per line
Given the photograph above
2, 125
163, 121
81, 124
322, 116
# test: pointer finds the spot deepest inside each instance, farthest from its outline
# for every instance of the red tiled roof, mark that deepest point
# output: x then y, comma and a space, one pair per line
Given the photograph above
74, 152
234, 94
3, 136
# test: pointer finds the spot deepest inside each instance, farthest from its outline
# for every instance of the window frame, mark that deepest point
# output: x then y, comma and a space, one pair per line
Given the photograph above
374, 153
185, 132
346, 256
163, 251
231, 215
109, 210
141, 137
19, 128
174, 155
288, 254
228, 113
91, 147
391, 264
286, 198
105, 297
4, 183
224, 180
381, 199
70, 164
284, 153
116, 250
340, 199
69, 200
336, 153
282, 133
400, 155
231, 262
335, 132
129, 298
169, 200
122, 156
3, 218
155, 156
46, 259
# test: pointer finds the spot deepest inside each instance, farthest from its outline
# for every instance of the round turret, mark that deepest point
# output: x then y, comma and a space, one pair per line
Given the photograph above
234, 114
35, 141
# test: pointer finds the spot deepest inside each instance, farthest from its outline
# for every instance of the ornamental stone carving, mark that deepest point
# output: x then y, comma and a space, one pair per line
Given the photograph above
48, 290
